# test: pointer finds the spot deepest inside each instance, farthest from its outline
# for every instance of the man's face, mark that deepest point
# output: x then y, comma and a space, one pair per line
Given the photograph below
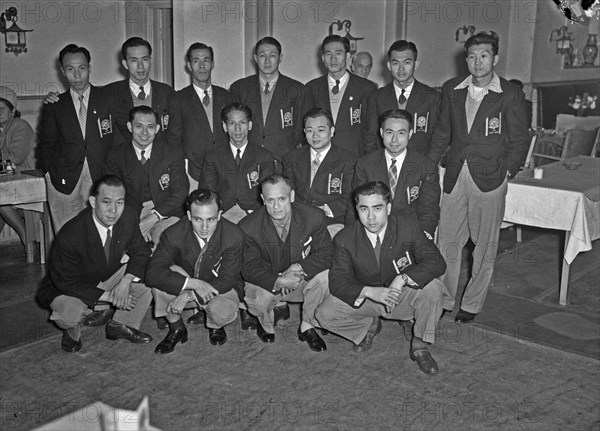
204, 218
373, 212
335, 57
278, 200
318, 133
361, 65
237, 127
108, 205
6, 114
395, 133
268, 58
481, 62
76, 69
143, 129
201, 64
402, 64
138, 63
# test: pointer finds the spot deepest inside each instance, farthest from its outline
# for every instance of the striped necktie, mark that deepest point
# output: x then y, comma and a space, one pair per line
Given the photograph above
402, 98
393, 177
82, 115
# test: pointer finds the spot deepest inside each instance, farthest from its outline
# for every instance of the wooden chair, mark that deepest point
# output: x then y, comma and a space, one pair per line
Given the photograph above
580, 142
545, 148
566, 122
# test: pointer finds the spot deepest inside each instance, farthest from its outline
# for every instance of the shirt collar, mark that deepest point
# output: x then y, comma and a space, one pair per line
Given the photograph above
200, 91
135, 88
399, 159
86, 95
138, 152
322, 153
101, 228
234, 149
373, 236
343, 80
407, 90
494, 86
272, 83
201, 241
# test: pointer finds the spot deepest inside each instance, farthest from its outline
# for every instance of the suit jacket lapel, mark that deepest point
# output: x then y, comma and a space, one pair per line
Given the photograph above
296, 236
460, 97
90, 126
304, 167
345, 104
95, 246
323, 94
389, 99
192, 247
368, 257
270, 239
485, 109
276, 101
415, 98
198, 108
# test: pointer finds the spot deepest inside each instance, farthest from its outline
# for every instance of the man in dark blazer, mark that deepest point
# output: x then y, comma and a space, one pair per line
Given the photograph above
86, 272
405, 92
153, 172
235, 171
417, 190
383, 266
197, 264
195, 124
343, 94
482, 131
278, 103
138, 89
321, 172
286, 252
75, 133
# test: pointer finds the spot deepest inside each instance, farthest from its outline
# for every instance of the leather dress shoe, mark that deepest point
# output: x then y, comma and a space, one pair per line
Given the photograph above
407, 328
177, 334
425, 361
367, 342
265, 337
68, 344
99, 318
217, 336
162, 323
281, 313
248, 320
315, 343
464, 316
197, 318
115, 330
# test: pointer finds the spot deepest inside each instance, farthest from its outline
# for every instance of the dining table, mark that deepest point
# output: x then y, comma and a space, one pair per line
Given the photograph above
566, 198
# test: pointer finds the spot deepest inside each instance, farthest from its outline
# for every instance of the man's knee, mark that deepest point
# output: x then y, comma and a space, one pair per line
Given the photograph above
222, 310
433, 291
258, 297
68, 311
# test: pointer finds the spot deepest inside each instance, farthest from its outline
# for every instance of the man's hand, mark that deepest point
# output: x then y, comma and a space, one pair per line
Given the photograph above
287, 283
204, 290
51, 97
177, 304
387, 296
121, 298
146, 225
295, 269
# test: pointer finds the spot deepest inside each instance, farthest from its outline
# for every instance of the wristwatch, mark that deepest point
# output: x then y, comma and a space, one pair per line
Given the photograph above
405, 279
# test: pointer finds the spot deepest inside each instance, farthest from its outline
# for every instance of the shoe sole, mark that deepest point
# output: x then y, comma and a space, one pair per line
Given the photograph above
182, 341
301, 338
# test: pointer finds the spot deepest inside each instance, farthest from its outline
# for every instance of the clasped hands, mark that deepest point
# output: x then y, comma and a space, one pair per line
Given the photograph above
290, 279
120, 297
388, 296
202, 289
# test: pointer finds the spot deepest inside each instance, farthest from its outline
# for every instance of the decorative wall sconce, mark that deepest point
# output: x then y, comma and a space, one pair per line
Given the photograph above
467, 32
346, 24
563, 40
14, 36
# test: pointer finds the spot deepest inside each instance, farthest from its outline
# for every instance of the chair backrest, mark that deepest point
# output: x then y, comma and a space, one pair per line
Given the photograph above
565, 122
546, 148
579, 142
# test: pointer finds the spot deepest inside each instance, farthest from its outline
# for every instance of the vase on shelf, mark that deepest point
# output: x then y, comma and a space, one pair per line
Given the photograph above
590, 50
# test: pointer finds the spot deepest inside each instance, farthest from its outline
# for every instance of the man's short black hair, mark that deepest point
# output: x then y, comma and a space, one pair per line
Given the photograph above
203, 197
336, 38
372, 188
235, 107
484, 38
276, 179
133, 42
199, 45
400, 114
316, 113
402, 45
73, 49
268, 41
107, 180
142, 109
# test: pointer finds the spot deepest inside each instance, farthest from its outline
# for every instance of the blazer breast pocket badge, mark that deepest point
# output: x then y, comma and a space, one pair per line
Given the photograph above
253, 176
306, 251
493, 125
413, 193
334, 185
287, 118
164, 121
217, 267
421, 123
105, 126
402, 263
355, 115
164, 181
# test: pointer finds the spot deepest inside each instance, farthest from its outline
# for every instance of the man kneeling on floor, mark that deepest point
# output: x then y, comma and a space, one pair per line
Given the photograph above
197, 265
384, 266
86, 270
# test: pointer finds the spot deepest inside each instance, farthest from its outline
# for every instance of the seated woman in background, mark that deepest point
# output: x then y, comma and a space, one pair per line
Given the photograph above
17, 143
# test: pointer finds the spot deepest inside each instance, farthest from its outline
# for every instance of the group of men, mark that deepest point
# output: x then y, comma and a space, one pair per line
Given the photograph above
272, 192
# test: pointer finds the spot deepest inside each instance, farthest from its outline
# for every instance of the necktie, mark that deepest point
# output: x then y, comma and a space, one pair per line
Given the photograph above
199, 261
283, 233
82, 115
143, 159
238, 157
393, 177
402, 98
377, 249
206, 98
142, 93
266, 88
314, 167
336, 87
107, 245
